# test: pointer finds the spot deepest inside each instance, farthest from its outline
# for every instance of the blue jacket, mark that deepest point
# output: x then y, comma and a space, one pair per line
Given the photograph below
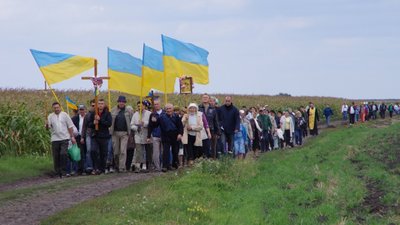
154, 126
328, 112
229, 119
170, 125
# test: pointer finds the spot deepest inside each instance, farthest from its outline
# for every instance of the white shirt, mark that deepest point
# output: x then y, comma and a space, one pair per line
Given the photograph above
59, 125
352, 110
344, 108
192, 121
81, 118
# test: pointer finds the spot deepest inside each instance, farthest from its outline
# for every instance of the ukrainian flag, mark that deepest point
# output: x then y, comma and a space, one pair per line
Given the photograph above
71, 104
125, 72
153, 71
57, 67
182, 58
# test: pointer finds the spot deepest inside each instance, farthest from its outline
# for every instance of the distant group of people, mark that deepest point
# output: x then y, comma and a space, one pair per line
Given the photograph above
152, 138
368, 111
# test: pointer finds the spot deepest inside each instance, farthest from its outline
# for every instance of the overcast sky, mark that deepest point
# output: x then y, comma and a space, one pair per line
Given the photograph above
341, 48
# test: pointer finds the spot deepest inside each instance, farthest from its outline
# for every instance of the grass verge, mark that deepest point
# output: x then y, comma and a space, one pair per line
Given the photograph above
345, 176
15, 168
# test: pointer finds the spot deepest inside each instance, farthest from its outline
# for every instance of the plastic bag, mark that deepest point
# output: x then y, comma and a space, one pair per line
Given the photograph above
74, 153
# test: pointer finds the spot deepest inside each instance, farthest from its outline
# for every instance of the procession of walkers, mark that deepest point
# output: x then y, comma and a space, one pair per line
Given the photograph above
152, 138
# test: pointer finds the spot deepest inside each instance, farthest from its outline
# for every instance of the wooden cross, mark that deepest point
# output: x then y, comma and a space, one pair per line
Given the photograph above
97, 82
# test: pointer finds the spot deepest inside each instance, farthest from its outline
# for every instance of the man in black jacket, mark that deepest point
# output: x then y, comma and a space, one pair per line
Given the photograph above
213, 123
101, 137
230, 123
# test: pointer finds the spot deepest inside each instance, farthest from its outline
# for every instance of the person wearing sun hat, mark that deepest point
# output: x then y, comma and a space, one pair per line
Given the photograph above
192, 126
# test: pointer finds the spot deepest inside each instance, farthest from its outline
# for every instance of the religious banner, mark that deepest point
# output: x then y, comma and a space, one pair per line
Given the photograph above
186, 85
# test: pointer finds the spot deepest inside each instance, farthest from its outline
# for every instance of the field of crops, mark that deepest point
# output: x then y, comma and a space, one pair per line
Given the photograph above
39, 101
23, 112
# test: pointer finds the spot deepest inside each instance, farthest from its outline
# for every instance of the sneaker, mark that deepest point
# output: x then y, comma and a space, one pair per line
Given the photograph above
67, 175
106, 171
112, 170
164, 170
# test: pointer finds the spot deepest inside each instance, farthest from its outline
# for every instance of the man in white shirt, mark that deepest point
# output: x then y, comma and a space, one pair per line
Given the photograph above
61, 127
345, 109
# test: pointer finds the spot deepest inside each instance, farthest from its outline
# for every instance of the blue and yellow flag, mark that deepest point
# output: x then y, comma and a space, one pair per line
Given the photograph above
182, 58
125, 73
57, 67
153, 71
71, 104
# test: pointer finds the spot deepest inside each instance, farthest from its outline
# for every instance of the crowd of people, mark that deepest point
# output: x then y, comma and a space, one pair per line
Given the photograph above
152, 138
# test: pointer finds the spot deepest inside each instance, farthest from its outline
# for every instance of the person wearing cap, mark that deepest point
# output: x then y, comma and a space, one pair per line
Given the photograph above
120, 131
78, 121
192, 132
139, 125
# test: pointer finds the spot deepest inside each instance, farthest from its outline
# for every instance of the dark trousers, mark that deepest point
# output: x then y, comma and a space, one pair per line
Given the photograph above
193, 152
391, 114
264, 141
288, 140
270, 141
206, 148
305, 132
170, 144
213, 145
383, 114
100, 150
352, 118
256, 142
129, 157
59, 149
82, 147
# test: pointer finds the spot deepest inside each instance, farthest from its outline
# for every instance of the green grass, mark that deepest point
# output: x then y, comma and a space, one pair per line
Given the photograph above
15, 168
323, 183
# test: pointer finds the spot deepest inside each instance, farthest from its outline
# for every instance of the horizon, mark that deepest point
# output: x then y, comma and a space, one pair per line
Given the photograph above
209, 93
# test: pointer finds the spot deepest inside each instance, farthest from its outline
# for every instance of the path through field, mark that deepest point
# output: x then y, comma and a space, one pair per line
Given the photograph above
31, 200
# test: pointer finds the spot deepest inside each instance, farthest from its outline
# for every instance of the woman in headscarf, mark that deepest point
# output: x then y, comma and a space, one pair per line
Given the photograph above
192, 127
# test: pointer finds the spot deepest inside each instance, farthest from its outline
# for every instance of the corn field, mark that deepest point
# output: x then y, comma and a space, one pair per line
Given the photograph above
22, 132
23, 112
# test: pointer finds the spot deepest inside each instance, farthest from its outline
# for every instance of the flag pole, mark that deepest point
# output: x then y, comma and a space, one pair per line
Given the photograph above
141, 87
66, 102
44, 103
165, 74
108, 82
55, 96
96, 98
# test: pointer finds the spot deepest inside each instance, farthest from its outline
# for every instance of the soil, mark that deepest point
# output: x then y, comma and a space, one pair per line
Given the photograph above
33, 209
